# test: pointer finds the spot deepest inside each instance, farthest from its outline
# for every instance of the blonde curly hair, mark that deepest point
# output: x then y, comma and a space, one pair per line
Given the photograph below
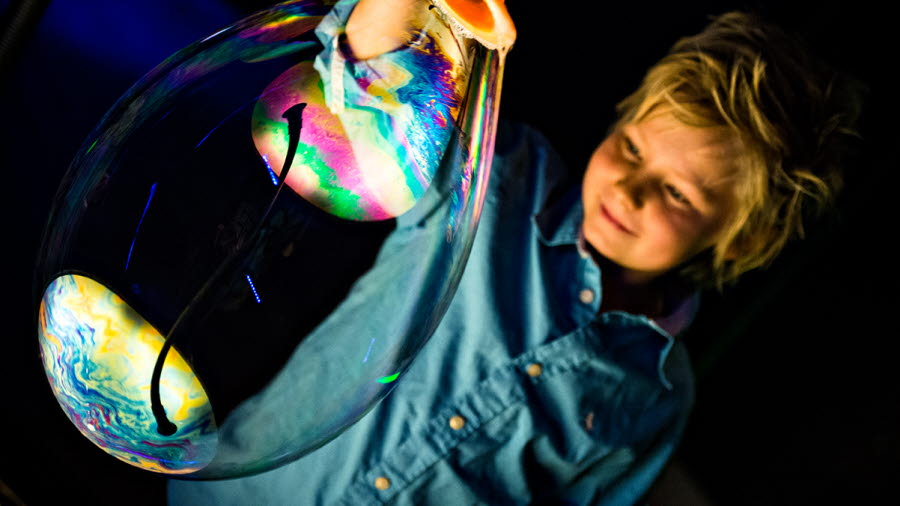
792, 115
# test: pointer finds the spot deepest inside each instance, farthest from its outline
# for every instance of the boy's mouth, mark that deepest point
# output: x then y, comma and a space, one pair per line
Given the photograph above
612, 219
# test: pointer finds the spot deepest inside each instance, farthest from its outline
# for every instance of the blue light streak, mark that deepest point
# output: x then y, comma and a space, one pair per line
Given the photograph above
217, 127
272, 174
138, 228
369, 350
252, 287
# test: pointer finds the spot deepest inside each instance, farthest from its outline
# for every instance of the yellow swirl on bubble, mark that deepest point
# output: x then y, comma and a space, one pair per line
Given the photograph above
99, 355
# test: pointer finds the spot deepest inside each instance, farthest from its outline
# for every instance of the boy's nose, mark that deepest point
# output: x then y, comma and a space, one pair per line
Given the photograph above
632, 190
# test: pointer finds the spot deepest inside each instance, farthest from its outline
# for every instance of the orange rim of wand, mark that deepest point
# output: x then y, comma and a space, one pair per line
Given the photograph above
486, 21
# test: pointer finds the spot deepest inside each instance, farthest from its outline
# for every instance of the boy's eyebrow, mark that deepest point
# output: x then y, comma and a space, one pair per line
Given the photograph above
706, 190
705, 187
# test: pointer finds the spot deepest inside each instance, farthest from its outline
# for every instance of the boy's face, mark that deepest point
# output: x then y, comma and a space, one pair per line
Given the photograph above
658, 192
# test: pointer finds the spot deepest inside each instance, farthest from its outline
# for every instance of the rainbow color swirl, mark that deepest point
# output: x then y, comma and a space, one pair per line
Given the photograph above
99, 355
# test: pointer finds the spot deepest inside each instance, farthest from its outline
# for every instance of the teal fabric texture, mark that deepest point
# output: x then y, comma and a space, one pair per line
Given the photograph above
524, 394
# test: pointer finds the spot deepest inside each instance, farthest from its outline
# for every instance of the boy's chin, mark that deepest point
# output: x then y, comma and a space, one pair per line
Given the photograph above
624, 273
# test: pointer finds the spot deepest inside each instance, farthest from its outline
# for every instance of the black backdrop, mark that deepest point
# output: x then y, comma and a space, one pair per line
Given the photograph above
797, 400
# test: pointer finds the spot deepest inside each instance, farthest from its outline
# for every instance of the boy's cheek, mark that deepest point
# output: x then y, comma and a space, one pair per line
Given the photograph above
596, 173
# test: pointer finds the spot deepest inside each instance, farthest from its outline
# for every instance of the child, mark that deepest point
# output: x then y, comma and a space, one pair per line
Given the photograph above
547, 382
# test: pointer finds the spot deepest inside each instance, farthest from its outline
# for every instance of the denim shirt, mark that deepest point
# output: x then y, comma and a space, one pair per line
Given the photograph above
525, 393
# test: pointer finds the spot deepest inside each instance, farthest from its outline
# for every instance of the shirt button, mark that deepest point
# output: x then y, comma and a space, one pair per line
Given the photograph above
534, 370
457, 422
586, 296
382, 483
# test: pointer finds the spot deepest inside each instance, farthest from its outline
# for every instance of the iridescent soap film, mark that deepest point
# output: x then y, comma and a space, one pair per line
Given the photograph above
290, 221
371, 151
99, 356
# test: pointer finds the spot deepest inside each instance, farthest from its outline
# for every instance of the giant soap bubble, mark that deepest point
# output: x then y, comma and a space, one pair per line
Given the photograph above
259, 236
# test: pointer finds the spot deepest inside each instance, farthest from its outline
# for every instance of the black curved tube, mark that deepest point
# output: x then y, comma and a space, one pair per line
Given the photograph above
294, 117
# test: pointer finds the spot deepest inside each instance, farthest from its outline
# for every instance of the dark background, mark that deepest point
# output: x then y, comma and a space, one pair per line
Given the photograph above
797, 397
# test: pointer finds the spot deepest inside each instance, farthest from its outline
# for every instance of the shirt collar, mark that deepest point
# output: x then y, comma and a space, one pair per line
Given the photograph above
559, 223
678, 320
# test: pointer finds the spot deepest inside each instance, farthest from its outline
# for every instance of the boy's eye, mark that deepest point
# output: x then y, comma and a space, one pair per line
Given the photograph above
677, 195
630, 148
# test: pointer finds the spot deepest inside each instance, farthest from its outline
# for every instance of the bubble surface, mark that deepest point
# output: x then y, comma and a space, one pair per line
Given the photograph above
98, 353
258, 237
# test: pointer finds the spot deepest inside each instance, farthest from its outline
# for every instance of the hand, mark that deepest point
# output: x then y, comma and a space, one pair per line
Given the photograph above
378, 26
